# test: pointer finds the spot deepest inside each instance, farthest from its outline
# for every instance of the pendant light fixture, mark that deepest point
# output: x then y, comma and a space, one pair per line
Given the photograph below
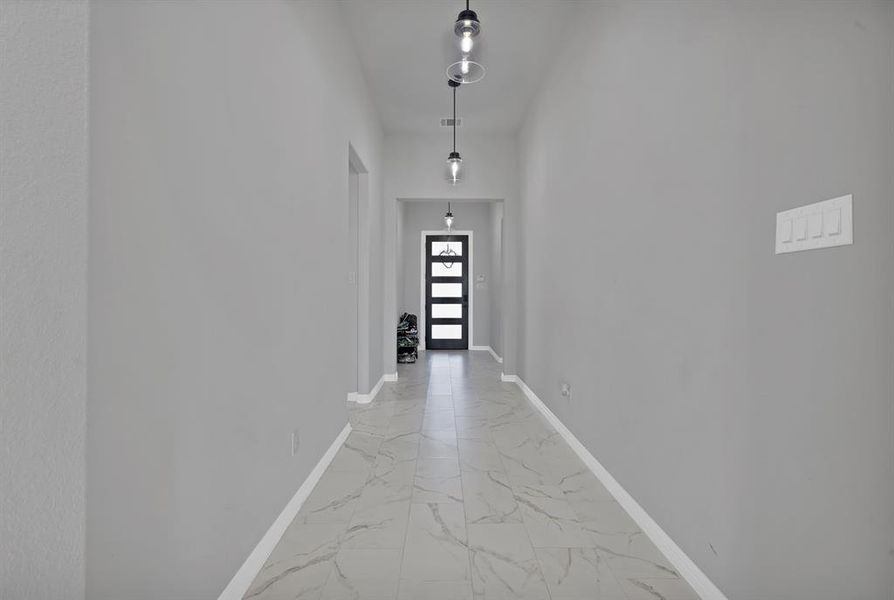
467, 27
454, 173
448, 219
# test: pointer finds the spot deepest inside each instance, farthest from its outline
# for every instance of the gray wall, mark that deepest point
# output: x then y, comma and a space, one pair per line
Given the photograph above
492, 159
744, 399
470, 216
43, 298
496, 278
218, 278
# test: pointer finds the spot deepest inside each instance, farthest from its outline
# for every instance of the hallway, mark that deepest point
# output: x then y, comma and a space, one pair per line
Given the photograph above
647, 245
452, 486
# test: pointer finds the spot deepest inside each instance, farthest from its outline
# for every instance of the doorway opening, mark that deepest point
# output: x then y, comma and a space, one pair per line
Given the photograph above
447, 268
475, 276
353, 270
357, 265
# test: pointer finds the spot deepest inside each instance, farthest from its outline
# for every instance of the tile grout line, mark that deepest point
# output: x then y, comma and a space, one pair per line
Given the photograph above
403, 547
462, 488
521, 515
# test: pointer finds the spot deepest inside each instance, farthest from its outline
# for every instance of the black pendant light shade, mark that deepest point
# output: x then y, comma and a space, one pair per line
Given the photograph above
467, 24
454, 172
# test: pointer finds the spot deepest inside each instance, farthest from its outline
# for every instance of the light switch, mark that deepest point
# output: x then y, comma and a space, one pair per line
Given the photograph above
833, 221
801, 228
815, 225
819, 225
786, 231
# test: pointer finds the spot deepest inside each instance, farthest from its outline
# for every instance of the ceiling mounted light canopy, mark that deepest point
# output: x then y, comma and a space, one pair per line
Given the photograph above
467, 27
454, 173
448, 219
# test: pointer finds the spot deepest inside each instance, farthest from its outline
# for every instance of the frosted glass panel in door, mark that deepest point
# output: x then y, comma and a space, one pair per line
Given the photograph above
447, 332
440, 269
445, 248
447, 311
446, 290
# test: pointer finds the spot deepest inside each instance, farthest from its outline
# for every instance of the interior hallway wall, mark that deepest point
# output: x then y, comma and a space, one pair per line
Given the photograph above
496, 278
43, 297
218, 278
744, 399
414, 170
470, 216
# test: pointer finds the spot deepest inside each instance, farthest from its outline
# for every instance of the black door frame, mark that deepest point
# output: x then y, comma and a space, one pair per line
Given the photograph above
463, 343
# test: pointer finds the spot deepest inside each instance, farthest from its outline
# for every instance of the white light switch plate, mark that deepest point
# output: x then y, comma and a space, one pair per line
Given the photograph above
820, 225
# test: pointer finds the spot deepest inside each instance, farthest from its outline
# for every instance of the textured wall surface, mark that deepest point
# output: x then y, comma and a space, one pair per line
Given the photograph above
219, 223
744, 399
43, 281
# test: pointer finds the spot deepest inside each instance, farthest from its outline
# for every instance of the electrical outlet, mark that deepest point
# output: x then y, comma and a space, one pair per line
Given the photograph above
566, 390
295, 442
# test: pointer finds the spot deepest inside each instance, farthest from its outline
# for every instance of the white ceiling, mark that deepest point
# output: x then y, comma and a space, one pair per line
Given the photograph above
405, 47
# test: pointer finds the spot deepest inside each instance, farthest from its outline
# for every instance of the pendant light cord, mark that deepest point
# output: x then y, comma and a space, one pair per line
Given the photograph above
454, 119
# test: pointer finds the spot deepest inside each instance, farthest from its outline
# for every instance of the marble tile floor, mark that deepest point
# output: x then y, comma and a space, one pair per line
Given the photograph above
452, 487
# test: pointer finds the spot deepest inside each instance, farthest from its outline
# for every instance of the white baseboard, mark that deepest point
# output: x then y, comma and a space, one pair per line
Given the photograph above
367, 398
688, 570
497, 357
241, 581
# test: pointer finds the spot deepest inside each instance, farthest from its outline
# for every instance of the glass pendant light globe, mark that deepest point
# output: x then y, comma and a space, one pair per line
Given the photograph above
466, 43
454, 171
467, 27
466, 70
448, 219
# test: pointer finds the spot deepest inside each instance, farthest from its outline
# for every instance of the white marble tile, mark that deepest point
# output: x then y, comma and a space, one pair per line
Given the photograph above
438, 419
406, 423
607, 517
434, 590
488, 498
476, 455
657, 589
538, 470
578, 573
439, 402
358, 452
438, 443
473, 428
437, 480
399, 447
389, 482
334, 498
585, 493
300, 564
446, 448
363, 574
436, 547
374, 421
378, 526
631, 554
503, 563
550, 520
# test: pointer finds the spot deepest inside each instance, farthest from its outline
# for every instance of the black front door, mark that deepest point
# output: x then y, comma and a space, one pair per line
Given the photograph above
447, 292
